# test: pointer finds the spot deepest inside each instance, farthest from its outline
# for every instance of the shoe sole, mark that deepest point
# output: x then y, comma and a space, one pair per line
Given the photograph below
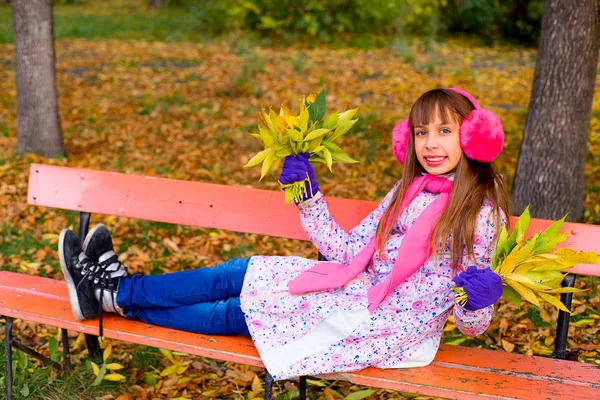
88, 237
70, 284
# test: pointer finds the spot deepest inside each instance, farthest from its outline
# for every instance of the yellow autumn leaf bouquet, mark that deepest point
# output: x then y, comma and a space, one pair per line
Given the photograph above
307, 131
533, 269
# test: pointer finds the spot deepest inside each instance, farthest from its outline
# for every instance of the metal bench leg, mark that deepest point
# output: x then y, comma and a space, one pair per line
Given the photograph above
302, 387
11, 343
66, 354
562, 329
268, 386
8, 357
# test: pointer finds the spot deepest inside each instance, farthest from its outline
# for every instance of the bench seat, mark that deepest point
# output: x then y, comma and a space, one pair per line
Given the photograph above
456, 373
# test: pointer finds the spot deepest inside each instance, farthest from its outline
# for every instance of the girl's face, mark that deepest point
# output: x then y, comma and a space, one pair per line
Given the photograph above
437, 145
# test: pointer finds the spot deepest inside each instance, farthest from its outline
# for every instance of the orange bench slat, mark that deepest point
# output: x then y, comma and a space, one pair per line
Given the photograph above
457, 372
457, 383
469, 357
53, 308
207, 205
584, 237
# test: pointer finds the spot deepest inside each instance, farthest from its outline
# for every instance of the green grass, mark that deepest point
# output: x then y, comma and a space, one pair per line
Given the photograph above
169, 27
4, 129
534, 316
32, 381
6, 28
24, 244
145, 358
372, 136
125, 19
132, 20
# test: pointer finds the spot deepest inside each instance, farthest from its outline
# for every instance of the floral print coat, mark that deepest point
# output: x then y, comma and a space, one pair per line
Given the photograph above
331, 331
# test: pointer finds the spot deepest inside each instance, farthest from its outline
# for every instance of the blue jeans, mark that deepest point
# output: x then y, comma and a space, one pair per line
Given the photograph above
203, 300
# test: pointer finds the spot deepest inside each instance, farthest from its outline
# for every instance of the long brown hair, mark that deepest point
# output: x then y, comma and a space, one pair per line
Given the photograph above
474, 182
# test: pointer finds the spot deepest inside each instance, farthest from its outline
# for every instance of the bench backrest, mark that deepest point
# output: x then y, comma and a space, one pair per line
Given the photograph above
208, 205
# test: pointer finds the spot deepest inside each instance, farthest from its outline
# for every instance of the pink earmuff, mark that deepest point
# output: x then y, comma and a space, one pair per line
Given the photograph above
481, 134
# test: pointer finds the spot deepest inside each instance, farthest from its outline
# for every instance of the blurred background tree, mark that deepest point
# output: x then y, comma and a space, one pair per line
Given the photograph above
551, 167
38, 127
156, 3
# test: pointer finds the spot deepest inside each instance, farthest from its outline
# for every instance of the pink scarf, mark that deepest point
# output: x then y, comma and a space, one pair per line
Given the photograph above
412, 254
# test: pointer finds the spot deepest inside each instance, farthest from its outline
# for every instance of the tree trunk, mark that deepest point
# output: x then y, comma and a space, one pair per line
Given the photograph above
156, 3
550, 168
38, 124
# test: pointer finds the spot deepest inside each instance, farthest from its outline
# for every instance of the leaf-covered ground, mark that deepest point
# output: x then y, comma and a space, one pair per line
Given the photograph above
183, 110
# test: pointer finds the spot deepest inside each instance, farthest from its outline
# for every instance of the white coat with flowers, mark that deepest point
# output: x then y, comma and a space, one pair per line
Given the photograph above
332, 330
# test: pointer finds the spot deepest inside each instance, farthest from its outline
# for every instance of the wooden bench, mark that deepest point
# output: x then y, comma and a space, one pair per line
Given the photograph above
456, 373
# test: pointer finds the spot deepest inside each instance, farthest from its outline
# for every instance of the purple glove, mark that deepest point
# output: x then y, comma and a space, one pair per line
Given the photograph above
483, 286
295, 168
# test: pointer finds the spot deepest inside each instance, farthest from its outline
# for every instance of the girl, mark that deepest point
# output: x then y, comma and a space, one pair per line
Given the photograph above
383, 297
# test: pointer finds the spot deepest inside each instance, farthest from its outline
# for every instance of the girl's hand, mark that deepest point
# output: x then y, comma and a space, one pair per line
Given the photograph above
297, 168
483, 287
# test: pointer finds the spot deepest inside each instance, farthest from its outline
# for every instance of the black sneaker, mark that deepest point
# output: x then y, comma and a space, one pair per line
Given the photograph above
106, 271
97, 242
105, 277
98, 246
76, 266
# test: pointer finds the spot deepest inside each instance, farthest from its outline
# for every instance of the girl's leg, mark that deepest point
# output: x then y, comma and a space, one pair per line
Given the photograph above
222, 317
202, 285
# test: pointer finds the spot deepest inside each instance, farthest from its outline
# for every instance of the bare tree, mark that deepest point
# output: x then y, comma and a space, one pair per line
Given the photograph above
550, 169
38, 124
156, 3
